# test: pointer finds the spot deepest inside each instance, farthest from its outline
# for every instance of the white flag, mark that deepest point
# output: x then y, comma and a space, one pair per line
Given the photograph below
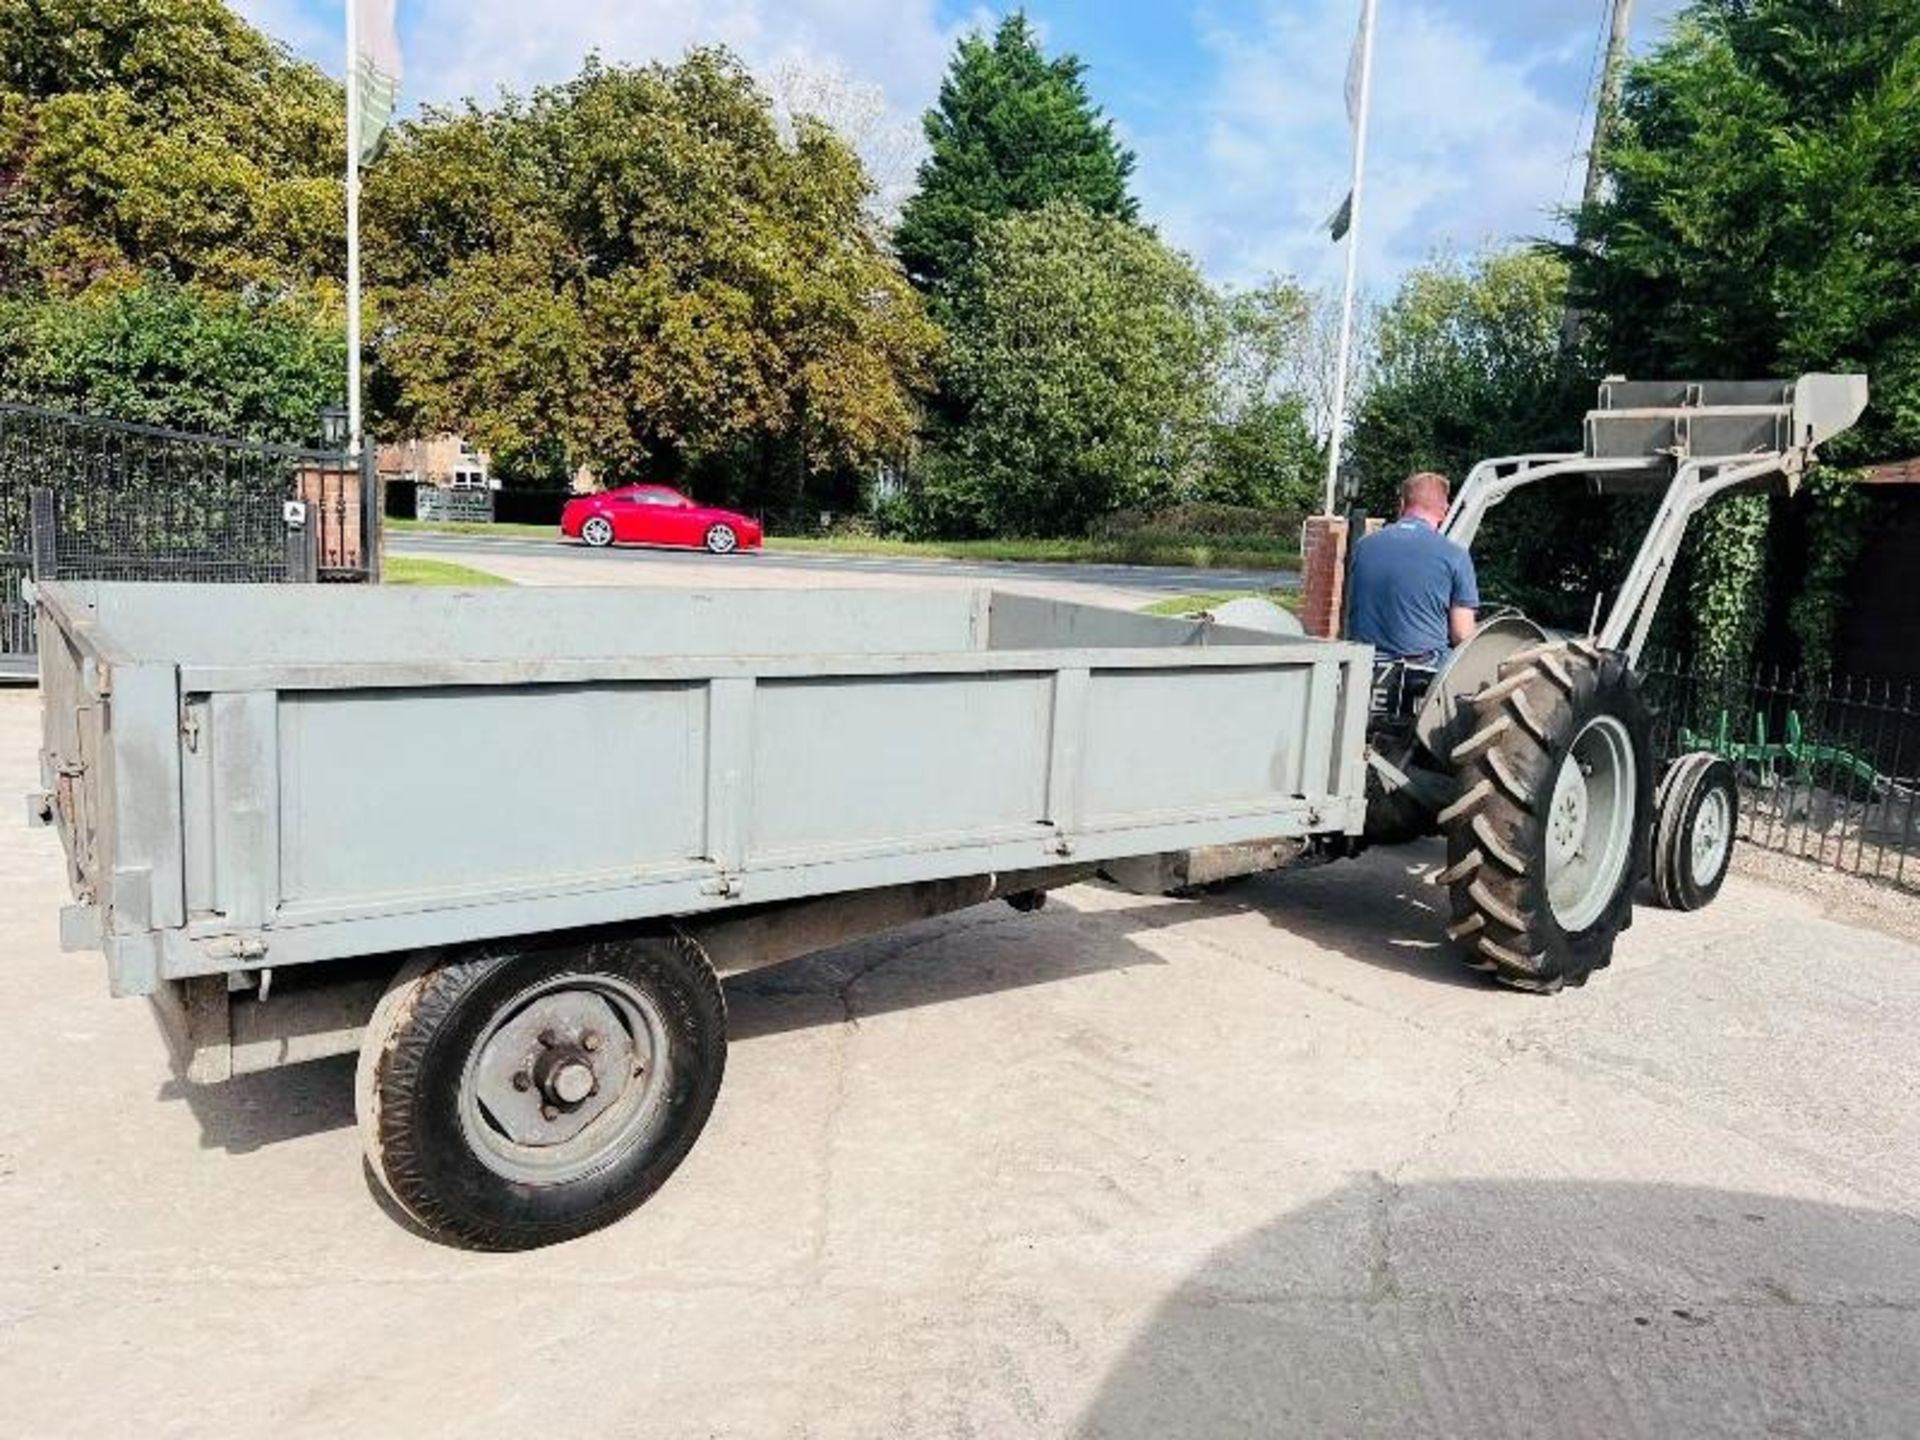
376, 73
1342, 219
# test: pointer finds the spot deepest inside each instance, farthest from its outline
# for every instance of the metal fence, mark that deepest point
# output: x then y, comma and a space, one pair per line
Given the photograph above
87, 498
1829, 769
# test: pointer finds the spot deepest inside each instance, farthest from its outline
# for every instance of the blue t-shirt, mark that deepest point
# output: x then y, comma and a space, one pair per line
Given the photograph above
1406, 578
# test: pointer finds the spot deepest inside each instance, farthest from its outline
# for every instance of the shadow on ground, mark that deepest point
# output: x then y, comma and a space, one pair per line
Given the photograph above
1379, 911
1528, 1308
252, 1111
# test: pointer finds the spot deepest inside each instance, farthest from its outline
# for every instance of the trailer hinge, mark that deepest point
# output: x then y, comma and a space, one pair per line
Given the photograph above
726, 887
190, 729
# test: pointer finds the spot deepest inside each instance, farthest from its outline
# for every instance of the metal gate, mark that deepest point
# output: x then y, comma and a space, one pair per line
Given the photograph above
86, 498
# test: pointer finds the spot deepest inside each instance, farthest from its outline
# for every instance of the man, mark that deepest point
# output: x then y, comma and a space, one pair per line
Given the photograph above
1414, 593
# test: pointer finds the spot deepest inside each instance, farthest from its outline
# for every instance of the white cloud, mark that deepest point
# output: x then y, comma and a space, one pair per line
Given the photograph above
895, 50
1475, 113
1465, 149
473, 47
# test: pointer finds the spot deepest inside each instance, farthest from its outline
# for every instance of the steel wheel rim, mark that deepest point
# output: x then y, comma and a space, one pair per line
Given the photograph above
544, 1033
1590, 823
596, 531
1712, 836
721, 540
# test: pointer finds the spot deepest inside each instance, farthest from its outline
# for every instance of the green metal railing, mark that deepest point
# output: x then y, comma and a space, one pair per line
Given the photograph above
1829, 768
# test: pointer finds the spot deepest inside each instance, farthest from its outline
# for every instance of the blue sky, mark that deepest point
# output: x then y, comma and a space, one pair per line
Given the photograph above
1234, 106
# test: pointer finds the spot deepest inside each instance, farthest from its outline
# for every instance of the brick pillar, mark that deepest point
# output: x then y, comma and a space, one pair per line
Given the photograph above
1323, 574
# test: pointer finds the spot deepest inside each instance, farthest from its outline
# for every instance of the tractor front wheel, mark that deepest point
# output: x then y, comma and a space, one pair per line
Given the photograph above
1549, 834
1698, 812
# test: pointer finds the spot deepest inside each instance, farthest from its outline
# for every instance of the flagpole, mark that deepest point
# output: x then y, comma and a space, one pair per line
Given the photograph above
353, 228
1337, 434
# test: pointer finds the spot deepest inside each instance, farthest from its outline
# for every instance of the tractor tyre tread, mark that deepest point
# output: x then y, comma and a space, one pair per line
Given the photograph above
1496, 870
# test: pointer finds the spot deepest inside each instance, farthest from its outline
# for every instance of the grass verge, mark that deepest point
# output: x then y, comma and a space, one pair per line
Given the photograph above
1228, 553
463, 527
411, 570
1188, 551
1194, 604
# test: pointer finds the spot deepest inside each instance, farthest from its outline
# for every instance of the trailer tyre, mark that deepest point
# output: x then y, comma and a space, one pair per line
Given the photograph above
1549, 836
1699, 812
513, 1098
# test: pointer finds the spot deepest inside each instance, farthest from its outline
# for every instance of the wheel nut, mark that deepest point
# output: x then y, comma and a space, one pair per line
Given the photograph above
549, 1112
549, 1038
522, 1080
591, 1040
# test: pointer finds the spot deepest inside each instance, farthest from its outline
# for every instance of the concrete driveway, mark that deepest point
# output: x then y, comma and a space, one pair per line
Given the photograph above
1270, 1164
555, 562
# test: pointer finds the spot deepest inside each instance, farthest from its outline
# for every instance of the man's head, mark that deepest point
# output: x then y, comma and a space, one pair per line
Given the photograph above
1425, 496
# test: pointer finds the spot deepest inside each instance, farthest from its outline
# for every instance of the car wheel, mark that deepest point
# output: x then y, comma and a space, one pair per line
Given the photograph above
510, 1098
597, 532
722, 541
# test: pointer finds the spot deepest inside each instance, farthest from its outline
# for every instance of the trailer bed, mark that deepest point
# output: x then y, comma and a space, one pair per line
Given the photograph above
262, 776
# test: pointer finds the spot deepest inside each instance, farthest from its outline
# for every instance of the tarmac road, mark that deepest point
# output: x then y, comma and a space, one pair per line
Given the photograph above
556, 562
1269, 1164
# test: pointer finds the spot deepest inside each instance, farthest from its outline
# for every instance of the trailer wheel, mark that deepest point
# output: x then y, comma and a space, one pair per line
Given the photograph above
1698, 813
1549, 835
512, 1098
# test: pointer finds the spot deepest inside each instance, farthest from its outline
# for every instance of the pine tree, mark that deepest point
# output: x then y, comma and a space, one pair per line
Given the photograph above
1013, 132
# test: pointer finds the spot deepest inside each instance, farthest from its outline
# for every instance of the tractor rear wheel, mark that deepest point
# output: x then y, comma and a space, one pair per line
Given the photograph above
1549, 835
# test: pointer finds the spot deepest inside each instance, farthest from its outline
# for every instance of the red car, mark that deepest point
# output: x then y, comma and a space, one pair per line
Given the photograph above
656, 515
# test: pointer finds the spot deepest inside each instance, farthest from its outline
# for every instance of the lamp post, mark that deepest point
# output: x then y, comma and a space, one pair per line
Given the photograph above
334, 430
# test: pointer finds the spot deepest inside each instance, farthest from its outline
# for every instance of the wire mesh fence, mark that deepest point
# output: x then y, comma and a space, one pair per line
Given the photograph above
1829, 768
88, 498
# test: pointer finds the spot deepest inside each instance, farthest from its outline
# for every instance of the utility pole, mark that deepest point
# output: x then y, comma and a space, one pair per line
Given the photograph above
1619, 35
1609, 95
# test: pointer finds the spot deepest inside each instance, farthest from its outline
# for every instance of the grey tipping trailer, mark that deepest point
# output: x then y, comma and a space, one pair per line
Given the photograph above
504, 842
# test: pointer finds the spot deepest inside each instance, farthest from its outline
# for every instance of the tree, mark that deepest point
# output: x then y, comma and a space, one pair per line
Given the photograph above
170, 218
166, 354
1763, 218
887, 143
636, 265
1261, 449
1081, 357
1013, 131
163, 136
1468, 365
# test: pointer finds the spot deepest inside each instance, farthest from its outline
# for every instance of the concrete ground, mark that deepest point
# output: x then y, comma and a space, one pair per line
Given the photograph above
555, 562
1269, 1164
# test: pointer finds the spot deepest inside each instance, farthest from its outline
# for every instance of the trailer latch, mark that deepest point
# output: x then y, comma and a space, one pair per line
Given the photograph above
40, 808
237, 947
725, 886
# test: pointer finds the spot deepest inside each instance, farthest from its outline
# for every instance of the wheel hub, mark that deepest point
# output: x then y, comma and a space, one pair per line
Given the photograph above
1590, 821
1567, 822
553, 1068
1711, 836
